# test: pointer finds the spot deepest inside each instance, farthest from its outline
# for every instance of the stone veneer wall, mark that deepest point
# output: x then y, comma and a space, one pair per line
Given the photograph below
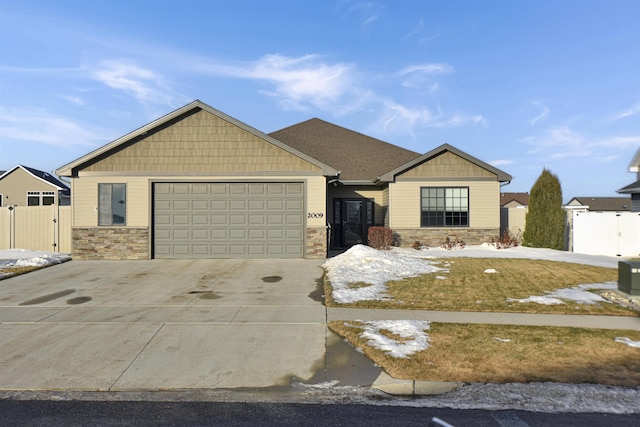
437, 236
105, 243
316, 242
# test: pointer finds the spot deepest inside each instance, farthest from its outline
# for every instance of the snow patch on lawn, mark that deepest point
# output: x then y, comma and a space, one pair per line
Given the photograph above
27, 258
579, 294
363, 264
415, 338
487, 251
627, 341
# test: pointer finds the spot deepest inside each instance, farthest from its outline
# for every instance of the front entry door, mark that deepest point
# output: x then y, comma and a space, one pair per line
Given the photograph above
351, 221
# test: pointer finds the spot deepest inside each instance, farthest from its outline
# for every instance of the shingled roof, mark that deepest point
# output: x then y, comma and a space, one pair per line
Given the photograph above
521, 198
604, 203
348, 151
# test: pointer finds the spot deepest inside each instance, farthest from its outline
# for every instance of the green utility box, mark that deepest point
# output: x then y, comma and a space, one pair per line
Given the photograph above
629, 277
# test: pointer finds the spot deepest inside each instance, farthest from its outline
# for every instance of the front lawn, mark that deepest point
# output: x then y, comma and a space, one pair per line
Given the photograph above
468, 286
502, 354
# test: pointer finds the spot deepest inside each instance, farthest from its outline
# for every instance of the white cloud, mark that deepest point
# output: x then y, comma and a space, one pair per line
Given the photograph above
422, 75
543, 114
563, 142
399, 119
146, 86
502, 162
305, 79
368, 11
74, 99
631, 111
43, 127
310, 81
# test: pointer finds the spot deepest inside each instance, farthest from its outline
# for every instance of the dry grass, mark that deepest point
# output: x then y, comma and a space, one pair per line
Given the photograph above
8, 272
468, 288
470, 353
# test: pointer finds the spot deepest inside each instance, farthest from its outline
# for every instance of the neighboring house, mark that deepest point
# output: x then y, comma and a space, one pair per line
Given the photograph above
634, 188
600, 204
514, 200
198, 183
25, 186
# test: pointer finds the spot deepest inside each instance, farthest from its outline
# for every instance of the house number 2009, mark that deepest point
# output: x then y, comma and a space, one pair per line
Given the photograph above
314, 215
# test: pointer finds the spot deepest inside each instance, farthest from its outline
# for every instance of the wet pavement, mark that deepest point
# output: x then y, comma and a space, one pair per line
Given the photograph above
169, 325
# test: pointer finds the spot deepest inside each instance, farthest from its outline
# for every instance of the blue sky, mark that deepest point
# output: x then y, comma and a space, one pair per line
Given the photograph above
520, 84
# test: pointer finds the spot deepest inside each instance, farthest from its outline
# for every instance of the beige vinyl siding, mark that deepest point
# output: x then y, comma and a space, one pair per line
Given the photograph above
14, 187
447, 165
201, 143
354, 192
385, 204
85, 195
484, 202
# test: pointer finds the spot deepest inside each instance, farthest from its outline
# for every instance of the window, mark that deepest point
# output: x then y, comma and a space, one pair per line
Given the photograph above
41, 198
112, 204
33, 198
444, 207
48, 198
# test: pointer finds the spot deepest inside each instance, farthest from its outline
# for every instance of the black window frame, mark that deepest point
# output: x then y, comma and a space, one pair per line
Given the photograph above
106, 213
441, 209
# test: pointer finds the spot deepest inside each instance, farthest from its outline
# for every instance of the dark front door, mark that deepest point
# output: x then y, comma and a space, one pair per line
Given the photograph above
351, 221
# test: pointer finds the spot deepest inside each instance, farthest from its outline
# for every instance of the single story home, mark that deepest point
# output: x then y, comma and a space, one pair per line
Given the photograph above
25, 186
198, 183
600, 204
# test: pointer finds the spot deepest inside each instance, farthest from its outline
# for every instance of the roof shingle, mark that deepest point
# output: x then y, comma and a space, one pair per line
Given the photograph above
344, 149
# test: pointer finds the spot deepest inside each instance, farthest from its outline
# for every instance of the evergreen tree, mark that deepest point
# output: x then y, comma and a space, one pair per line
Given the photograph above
545, 221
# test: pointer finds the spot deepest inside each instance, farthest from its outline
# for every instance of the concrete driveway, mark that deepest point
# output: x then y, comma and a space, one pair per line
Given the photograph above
170, 324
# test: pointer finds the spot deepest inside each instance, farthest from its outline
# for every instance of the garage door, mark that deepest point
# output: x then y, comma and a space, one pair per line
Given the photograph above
228, 220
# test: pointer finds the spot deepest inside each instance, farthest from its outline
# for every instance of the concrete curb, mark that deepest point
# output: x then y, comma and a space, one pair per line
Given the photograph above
396, 387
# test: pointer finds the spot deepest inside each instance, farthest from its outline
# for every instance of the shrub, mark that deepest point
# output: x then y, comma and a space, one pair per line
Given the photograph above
380, 237
505, 241
418, 246
545, 221
449, 244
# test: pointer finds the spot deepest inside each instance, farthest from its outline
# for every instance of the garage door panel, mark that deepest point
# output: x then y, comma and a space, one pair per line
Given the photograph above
219, 234
238, 205
181, 234
200, 234
228, 220
219, 205
200, 205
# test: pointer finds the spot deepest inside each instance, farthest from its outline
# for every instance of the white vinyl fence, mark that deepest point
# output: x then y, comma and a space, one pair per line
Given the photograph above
39, 228
606, 233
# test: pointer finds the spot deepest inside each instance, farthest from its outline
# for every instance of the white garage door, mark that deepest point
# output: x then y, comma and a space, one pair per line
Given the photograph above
228, 220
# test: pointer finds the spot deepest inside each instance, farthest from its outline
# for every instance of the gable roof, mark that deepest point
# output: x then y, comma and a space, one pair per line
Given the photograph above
603, 203
390, 176
359, 157
42, 176
71, 168
522, 198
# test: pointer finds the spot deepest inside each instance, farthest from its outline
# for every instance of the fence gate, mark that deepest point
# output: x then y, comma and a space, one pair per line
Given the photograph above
607, 233
38, 228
